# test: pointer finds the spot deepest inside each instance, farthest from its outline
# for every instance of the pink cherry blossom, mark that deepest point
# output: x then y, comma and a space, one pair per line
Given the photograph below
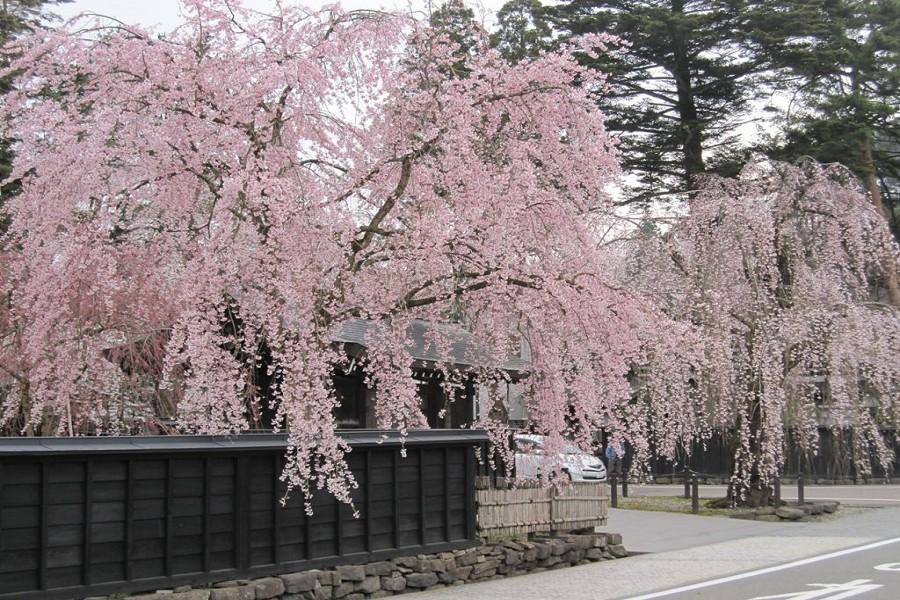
291, 171
778, 271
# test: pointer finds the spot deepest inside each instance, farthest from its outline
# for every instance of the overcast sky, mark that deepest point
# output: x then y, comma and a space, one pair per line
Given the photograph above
164, 14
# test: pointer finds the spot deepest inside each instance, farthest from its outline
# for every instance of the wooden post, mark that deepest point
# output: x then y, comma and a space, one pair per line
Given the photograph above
553, 508
800, 494
395, 465
241, 513
88, 516
367, 454
129, 522
307, 527
422, 516
613, 490
471, 506
45, 528
777, 486
446, 472
624, 487
243, 490
276, 511
695, 495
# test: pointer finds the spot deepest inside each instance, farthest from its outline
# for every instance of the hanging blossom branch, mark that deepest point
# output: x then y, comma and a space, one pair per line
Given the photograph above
777, 271
248, 181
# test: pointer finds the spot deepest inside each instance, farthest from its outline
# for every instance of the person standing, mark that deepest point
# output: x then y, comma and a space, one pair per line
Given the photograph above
614, 456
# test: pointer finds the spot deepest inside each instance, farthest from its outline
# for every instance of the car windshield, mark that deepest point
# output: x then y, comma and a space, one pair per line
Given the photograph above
572, 449
528, 445
532, 445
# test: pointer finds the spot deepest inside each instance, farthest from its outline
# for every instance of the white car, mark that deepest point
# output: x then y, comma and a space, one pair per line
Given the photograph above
575, 462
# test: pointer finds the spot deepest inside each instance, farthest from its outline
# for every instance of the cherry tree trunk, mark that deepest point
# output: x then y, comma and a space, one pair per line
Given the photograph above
892, 282
753, 491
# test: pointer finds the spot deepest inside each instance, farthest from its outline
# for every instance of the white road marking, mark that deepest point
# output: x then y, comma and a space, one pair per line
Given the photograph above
828, 591
888, 567
773, 569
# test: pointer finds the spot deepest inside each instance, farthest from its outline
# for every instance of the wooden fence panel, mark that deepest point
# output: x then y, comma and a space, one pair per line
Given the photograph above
96, 516
832, 462
520, 511
580, 505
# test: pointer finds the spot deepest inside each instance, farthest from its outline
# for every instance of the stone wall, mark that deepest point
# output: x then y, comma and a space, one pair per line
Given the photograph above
412, 573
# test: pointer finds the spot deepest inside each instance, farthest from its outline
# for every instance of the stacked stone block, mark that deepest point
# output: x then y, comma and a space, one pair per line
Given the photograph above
412, 573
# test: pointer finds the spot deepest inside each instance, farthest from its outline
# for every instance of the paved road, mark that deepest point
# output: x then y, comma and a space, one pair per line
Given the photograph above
852, 495
655, 532
868, 572
686, 550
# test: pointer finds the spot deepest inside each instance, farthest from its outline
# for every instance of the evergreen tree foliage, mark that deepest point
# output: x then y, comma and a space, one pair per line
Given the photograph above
16, 17
679, 86
457, 21
522, 30
843, 58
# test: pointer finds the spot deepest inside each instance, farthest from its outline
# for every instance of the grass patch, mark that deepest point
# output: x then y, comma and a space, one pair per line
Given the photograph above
676, 504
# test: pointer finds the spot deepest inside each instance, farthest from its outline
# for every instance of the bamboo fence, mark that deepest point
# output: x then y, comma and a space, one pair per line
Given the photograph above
520, 511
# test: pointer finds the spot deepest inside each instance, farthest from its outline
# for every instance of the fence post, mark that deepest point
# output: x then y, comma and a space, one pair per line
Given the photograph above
512, 446
552, 508
614, 492
687, 484
800, 498
695, 495
777, 485
624, 487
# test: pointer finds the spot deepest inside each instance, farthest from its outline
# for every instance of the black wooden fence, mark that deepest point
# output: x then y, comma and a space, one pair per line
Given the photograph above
835, 460
88, 516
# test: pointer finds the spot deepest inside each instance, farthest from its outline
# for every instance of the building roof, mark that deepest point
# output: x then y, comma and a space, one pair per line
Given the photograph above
224, 443
463, 351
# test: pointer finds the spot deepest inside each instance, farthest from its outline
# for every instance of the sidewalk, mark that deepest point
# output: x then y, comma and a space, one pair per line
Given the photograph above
682, 549
646, 531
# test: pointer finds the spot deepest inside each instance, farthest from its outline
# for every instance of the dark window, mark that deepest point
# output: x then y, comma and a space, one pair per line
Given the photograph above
440, 413
351, 392
461, 408
432, 402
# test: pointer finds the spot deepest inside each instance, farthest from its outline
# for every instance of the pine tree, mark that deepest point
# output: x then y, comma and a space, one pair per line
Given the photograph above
16, 17
678, 87
522, 30
843, 56
457, 21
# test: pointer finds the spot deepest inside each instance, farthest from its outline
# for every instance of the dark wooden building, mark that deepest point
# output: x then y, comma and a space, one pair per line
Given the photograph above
442, 410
